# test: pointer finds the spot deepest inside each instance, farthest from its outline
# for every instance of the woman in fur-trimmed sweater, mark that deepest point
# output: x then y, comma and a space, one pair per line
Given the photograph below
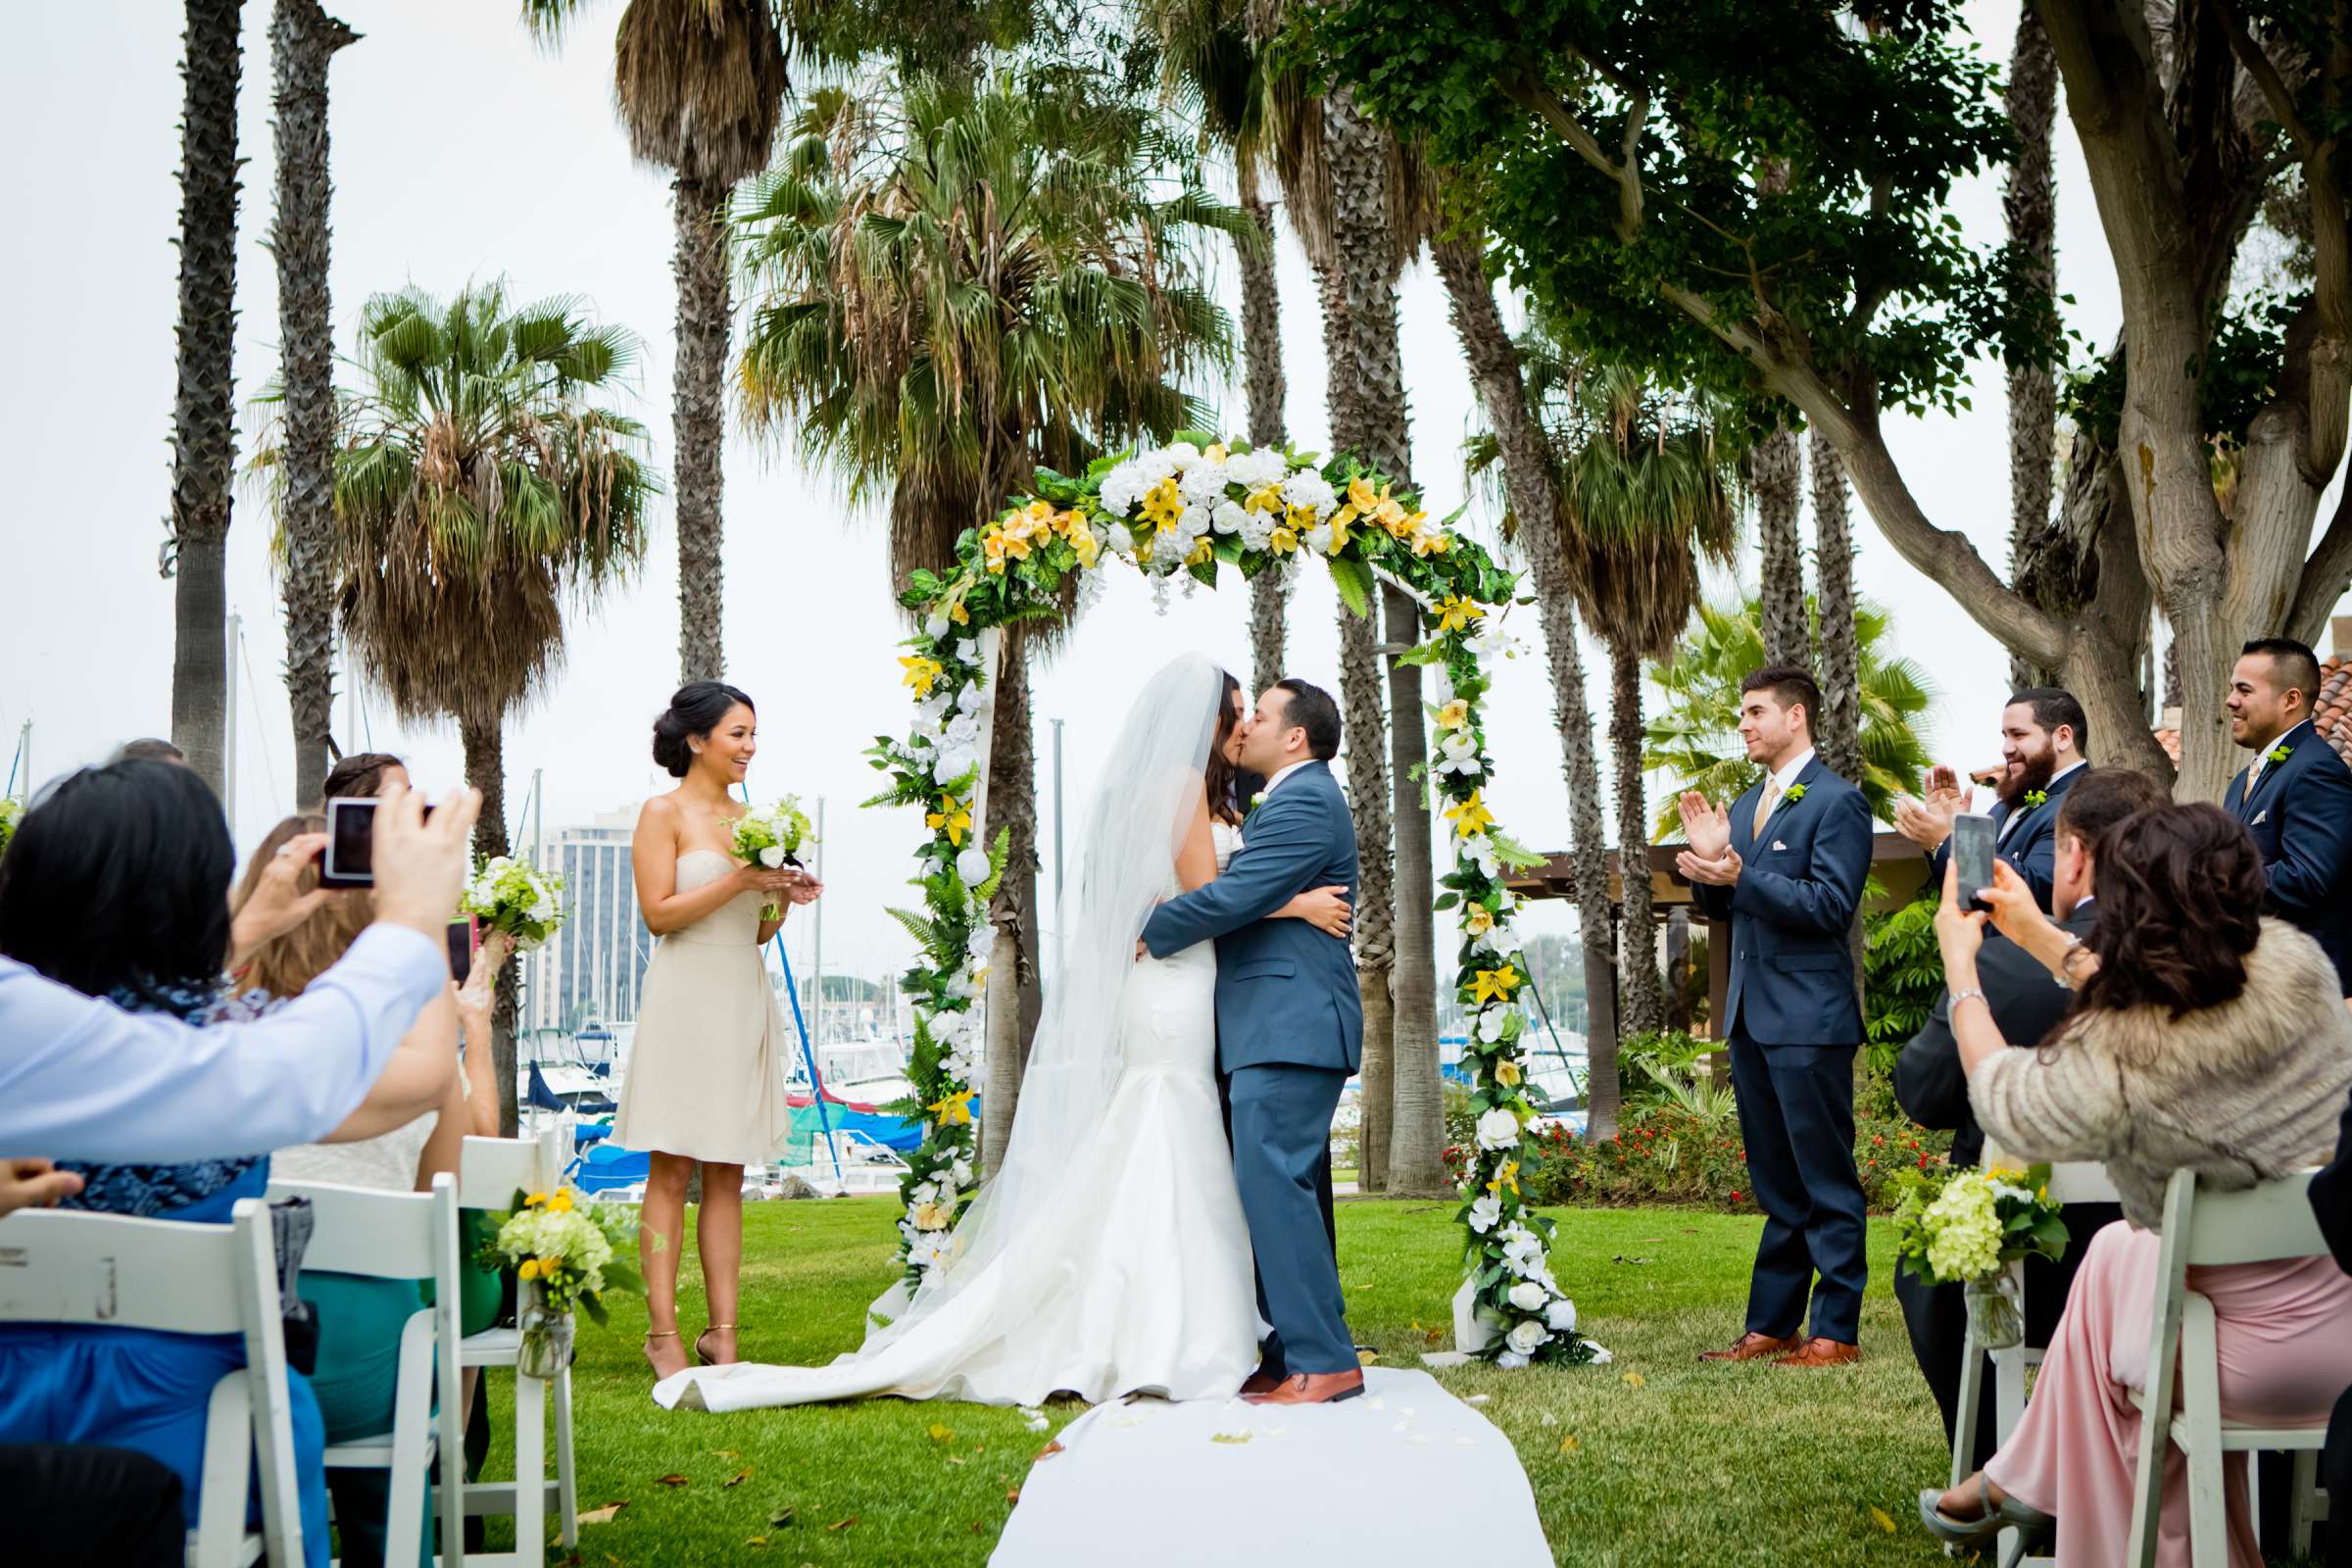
2204, 1038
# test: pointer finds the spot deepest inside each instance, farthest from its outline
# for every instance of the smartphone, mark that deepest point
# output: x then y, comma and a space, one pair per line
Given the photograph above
350, 858
461, 948
1972, 854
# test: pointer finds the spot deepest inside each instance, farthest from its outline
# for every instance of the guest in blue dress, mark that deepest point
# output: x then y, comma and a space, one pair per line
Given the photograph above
116, 885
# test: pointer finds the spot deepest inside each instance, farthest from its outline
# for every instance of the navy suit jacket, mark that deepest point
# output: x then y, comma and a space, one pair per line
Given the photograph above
2031, 847
1286, 991
2300, 815
1793, 972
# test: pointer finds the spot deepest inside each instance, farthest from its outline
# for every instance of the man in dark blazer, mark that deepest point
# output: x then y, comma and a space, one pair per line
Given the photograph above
1786, 868
1933, 1090
2331, 1201
2044, 741
2295, 797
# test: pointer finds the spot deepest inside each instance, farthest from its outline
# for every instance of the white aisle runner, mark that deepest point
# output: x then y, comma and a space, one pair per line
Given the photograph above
1406, 1474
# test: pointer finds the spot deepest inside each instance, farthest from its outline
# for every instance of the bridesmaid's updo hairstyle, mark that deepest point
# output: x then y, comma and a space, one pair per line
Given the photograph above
694, 711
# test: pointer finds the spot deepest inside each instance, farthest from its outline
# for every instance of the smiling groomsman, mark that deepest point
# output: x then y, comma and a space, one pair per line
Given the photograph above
1786, 868
2045, 738
2296, 795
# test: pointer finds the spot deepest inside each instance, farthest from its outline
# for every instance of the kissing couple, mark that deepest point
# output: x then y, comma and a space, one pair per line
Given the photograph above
1129, 1243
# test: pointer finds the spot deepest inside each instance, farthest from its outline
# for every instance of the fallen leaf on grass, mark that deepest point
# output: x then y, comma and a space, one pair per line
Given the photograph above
671, 1481
1634, 1380
1051, 1450
1368, 1357
738, 1478
755, 1540
783, 1516
1433, 1336
843, 1524
940, 1434
1569, 1445
1012, 1495
1242, 1436
955, 1459
1878, 1517
727, 1453
604, 1515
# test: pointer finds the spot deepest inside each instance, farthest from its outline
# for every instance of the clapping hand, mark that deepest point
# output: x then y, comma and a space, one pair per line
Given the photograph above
1723, 871
1927, 822
1707, 827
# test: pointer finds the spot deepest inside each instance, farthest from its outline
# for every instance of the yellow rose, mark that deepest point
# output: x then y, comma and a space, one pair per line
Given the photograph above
1478, 920
1455, 714
1506, 1073
529, 1270
1215, 452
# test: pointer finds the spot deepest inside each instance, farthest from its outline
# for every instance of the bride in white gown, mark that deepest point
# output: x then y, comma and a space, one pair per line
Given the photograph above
1108, 1254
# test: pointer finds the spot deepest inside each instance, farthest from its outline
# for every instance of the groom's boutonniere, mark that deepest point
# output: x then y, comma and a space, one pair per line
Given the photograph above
2280, 754
2037, 798
1258, 799
1796, 792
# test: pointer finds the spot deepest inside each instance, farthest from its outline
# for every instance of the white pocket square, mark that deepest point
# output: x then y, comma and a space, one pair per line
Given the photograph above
1778, 845
2260, 817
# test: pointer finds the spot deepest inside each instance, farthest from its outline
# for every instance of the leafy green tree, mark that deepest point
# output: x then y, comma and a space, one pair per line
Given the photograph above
1758, 198
1695, 738
480, 485
951, 290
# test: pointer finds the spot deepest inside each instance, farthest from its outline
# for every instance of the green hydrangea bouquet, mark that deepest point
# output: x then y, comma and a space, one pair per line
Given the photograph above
12, 811
771, 835
567, 1253
1966, 1227
516, 898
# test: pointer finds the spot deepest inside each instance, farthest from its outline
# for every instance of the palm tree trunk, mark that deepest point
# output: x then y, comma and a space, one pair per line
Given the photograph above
1527, 471
203, 430
1643, 1009
486, 771
2029, 204
1839, 731
698, 419
1014, 997
1775, 474
1678, 968
303, 39
1360, 156
1264, 384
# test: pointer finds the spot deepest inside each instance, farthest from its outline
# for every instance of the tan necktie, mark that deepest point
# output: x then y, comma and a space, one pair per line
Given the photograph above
1772, 798
2253, 774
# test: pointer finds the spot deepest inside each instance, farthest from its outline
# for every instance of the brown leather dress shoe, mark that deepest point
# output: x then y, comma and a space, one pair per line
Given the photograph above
1754, 1346
1818, 1351
1262, 1380
1313, 1388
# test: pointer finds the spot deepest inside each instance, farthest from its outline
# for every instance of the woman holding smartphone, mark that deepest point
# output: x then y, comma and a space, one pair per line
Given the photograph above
706, 1079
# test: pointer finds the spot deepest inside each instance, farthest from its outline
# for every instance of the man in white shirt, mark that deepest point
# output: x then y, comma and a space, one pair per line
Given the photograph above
2045, 737
81, 1079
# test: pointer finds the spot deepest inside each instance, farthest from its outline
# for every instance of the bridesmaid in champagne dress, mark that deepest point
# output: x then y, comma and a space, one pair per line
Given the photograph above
706, 1079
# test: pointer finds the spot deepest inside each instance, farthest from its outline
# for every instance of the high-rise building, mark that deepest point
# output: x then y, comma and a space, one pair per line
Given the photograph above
593, 969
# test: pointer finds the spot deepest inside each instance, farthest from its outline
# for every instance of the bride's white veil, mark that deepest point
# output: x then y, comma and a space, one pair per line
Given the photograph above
1132, 828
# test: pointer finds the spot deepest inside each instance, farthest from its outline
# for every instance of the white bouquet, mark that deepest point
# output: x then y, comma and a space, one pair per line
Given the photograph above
771, 834
516, 898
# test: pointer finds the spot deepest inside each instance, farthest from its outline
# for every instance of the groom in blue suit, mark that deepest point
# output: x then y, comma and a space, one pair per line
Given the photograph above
1290, 1030
1786, 868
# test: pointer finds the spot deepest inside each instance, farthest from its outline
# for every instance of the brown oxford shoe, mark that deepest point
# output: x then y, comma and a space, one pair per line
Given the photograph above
1754, 1346
1265, 1380
1818, 1351
1313, 1388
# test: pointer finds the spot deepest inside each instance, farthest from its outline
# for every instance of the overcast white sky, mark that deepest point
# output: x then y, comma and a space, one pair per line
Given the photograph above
461, 153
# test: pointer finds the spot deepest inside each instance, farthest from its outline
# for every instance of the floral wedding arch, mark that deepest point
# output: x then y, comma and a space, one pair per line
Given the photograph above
1190, 509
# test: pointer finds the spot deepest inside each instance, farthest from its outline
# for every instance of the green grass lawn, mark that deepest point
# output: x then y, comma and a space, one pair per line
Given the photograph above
1653, 1461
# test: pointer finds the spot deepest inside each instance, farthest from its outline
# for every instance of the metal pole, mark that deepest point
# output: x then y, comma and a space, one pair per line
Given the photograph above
818, 965
538, 974
228, 727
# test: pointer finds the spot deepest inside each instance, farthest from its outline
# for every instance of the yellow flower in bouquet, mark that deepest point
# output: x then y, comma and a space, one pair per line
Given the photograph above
954, 815
1470, 817
1163, 505
1494, 985
921, 672
1457, 614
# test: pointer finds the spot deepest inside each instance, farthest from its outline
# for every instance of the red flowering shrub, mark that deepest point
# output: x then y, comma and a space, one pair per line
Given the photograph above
1665, 1155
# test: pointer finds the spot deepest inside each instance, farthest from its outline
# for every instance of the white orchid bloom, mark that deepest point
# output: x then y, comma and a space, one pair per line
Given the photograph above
1484, 1214
1492, 1023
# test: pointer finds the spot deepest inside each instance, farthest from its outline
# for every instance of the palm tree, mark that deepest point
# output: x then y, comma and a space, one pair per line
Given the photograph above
478, 485
1694, 739
303, 39
2030, 204
1520, 448
1776, 473
700, 86
981, 281
1217, 71
203, 423
1841, 666
1646, 492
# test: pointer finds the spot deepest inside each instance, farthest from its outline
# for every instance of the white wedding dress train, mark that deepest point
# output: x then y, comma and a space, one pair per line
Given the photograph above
1135, 1278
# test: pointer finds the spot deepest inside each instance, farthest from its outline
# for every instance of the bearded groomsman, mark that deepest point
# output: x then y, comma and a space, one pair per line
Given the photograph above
1786, 868
2045, 738
2295, 797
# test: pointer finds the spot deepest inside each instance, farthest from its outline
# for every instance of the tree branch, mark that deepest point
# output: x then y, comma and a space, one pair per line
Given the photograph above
2264, 72
2325, 575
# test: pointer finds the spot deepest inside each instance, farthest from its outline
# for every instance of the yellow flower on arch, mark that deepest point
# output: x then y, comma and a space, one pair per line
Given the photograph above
921, 672
1506, 1073
1203, 553
1478, 920
954, 1111
1265, 498
1494, 985
1426, 545
957, 613
1457, 614
1284, 542
1470, 817
1455, 714
1082, 540
1506, 1176
1163, 506
954, 815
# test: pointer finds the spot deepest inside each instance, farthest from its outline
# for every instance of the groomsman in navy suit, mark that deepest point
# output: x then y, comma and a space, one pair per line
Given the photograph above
2296, 795
2045, 738
1786, 868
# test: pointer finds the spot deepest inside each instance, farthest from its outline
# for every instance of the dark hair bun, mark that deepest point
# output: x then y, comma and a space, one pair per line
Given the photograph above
694, 711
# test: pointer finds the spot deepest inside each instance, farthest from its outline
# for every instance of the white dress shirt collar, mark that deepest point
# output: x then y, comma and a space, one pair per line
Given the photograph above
1275, 782
1788, 774
2079, 762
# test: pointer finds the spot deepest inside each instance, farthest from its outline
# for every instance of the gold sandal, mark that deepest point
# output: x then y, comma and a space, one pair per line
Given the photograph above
706, 1334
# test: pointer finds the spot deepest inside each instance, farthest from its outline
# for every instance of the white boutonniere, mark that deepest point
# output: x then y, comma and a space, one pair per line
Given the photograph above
1258, 799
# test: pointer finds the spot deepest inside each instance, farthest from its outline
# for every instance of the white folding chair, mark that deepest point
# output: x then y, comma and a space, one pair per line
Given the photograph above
490, 1172
2269, 1222
113, 1271
402, 1236
2074, 1182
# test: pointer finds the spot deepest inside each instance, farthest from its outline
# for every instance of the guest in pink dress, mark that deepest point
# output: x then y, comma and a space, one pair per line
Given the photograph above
2203, 1036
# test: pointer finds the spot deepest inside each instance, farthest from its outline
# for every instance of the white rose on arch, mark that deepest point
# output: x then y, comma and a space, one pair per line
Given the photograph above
1528, 1296
972, 865
1490, 1023
1499, 1128
1527, 1337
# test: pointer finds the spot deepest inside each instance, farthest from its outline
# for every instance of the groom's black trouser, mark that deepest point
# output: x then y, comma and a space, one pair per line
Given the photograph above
1796, 1116
1331, 1224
